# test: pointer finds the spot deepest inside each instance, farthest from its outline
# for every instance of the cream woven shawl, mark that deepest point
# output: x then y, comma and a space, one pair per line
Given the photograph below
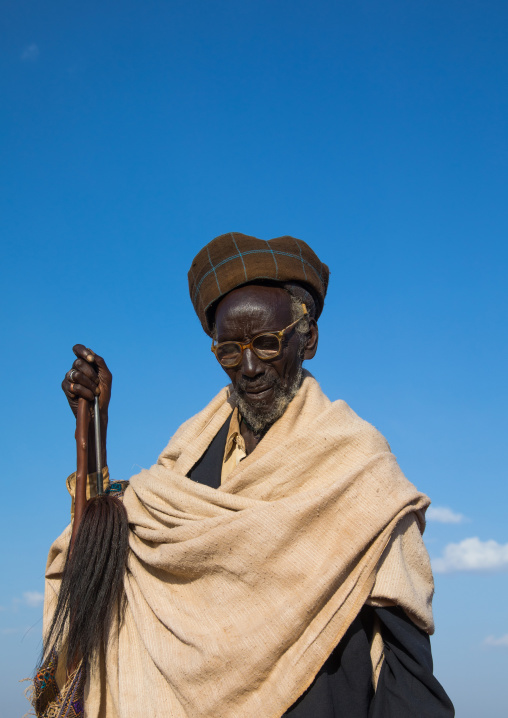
236, 596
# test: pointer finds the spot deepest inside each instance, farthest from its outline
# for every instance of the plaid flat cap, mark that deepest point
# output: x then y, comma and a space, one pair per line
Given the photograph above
235, 259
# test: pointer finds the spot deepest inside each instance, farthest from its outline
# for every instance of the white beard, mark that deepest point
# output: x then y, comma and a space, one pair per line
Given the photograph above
260, 421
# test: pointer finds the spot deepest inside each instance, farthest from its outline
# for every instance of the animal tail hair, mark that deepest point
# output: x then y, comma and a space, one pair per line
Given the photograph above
92, 584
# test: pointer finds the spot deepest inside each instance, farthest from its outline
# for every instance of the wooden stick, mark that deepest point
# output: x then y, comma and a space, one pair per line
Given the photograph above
82, 424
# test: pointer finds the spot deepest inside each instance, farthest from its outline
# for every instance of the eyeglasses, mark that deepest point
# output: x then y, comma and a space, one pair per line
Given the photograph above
265, 346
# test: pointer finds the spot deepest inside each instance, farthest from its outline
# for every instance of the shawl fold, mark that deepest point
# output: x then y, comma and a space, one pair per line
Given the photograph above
236, 596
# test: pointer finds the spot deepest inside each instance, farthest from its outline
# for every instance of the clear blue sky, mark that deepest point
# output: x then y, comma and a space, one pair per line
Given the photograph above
134, 132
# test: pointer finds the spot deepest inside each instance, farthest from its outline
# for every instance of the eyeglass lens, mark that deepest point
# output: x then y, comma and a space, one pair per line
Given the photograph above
266, 346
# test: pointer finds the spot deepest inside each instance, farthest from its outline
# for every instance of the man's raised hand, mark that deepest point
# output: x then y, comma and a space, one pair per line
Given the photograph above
88, 377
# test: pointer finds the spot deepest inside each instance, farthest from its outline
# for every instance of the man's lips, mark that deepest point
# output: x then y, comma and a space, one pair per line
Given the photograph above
257, 393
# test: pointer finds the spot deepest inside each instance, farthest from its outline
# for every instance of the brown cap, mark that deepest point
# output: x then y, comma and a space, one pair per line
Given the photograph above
234, 259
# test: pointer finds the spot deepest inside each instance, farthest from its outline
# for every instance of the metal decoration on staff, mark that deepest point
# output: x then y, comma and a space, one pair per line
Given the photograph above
98, 448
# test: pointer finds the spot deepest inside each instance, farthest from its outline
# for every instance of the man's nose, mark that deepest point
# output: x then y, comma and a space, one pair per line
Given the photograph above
252, 365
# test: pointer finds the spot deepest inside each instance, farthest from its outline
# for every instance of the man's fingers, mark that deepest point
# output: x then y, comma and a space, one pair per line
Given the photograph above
83, 352
88, 377
91, 357
66, 389
103, 368
78, 377
89, 370
73, 390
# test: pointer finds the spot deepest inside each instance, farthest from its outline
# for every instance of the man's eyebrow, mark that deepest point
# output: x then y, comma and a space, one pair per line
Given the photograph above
247, 338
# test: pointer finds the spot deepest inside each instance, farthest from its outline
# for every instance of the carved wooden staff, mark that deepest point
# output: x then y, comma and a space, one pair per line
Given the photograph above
82, 426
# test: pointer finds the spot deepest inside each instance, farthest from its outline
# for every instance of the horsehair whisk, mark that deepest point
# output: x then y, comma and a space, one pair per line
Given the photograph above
92, 579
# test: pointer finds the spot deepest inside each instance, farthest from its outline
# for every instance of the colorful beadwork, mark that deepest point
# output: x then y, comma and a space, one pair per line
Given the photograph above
49, 701
116, 488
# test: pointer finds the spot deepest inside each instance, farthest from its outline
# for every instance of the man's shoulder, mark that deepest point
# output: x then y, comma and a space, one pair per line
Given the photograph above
204, 422
338, 418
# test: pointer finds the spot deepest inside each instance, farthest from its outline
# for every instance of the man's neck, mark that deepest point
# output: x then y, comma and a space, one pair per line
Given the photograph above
250, 437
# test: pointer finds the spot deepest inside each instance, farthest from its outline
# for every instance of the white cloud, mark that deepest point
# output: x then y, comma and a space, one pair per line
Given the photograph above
443, 515
30, 53
33, 598
472, 555
492, 641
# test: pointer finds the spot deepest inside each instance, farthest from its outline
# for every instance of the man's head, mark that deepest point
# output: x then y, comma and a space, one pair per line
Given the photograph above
242, 286
264, 388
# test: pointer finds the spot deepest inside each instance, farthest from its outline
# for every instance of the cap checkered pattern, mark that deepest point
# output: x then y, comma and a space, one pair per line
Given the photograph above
234, 259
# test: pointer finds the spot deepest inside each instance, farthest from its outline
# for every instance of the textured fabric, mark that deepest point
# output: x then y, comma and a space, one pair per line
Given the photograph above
343, 688
236, 596
345, 685
234, 259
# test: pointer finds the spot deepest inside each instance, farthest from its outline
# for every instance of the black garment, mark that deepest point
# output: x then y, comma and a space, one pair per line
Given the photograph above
343, 687
407, 686
208, 468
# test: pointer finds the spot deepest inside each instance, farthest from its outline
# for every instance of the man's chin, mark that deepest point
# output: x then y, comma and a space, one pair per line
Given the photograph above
261, 410
260, 401
260, 414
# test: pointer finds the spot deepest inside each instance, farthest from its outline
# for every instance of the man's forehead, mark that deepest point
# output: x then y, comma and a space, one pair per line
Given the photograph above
253, 305
256, 295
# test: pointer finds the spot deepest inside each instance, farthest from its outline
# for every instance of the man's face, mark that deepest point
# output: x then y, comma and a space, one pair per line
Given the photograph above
264, 388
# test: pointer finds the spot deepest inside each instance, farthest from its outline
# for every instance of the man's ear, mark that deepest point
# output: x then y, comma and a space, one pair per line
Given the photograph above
310, 348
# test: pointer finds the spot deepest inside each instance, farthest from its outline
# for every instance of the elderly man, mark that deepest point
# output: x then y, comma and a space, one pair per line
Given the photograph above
275, 562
